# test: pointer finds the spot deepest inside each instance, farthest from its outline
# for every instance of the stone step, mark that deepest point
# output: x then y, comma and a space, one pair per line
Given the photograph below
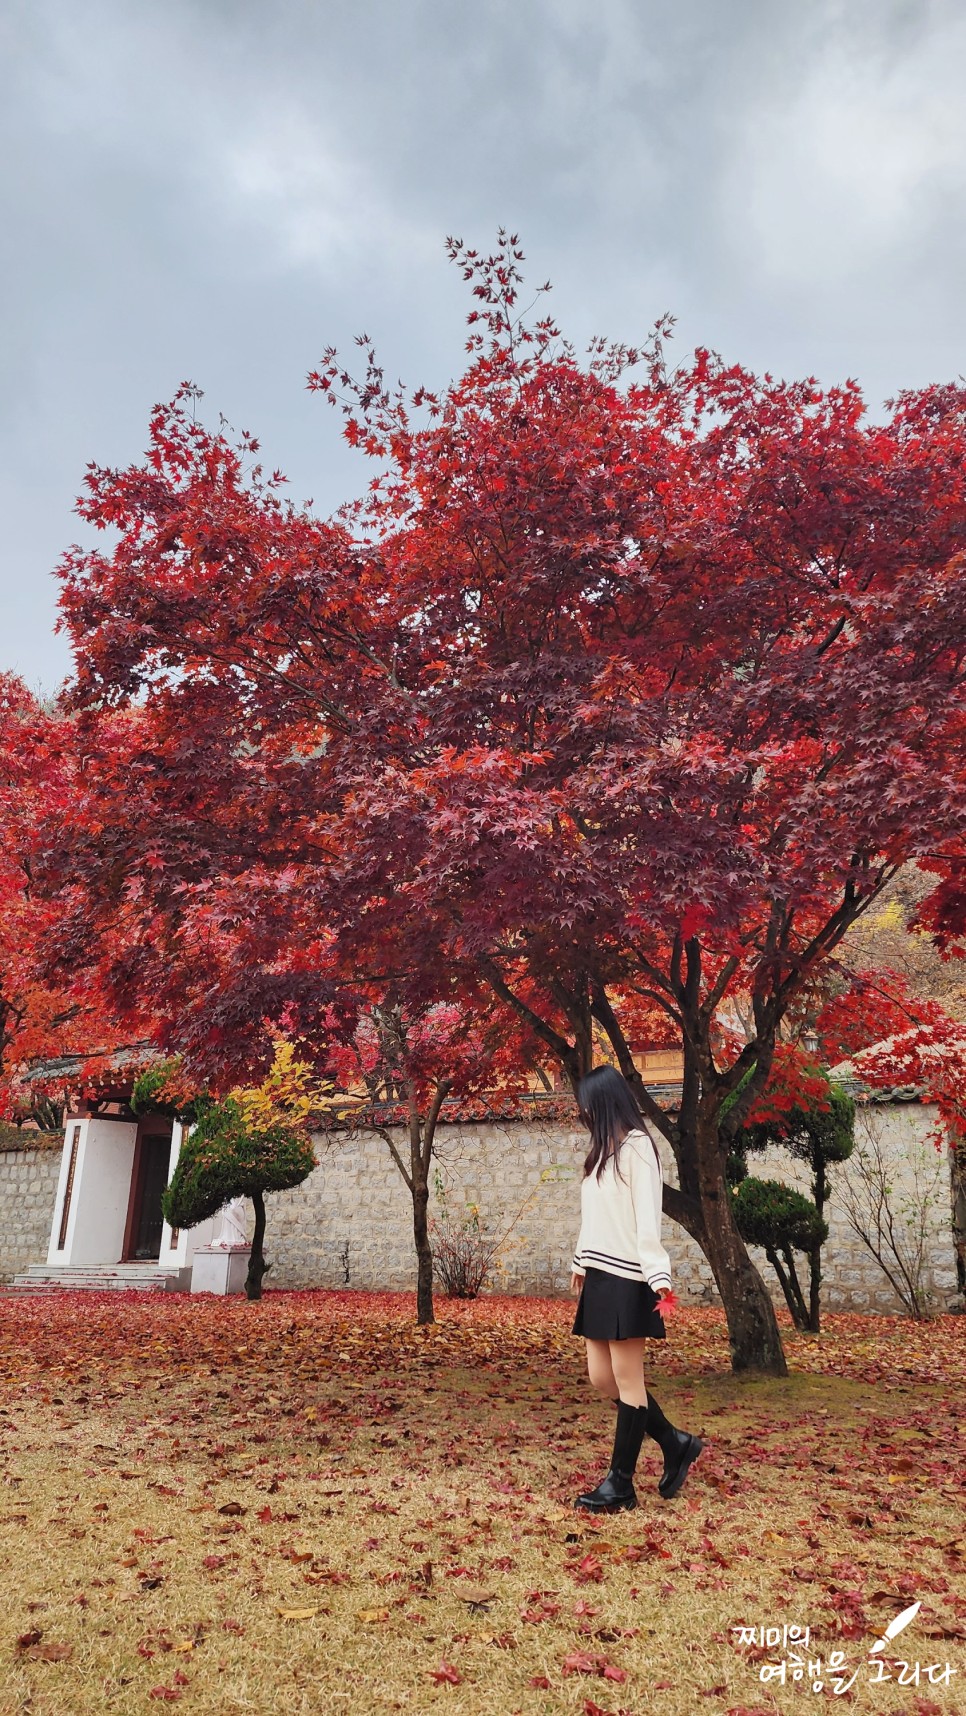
165, 1286
123, 1277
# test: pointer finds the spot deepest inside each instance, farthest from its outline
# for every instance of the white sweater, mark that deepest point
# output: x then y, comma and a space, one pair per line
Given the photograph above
620, 1218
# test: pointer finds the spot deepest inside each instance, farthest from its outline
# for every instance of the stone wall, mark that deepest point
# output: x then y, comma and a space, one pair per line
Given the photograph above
28, 1188
350, 1223
897, 1135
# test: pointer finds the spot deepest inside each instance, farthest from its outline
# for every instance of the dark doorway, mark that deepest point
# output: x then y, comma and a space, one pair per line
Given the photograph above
152, 1154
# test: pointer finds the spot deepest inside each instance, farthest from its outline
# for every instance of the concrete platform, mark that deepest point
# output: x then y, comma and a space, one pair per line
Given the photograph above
219, 1269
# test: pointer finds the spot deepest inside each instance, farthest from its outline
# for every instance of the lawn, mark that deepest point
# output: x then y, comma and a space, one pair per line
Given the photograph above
313, 1506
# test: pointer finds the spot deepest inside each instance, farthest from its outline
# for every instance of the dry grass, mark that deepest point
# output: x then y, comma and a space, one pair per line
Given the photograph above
178, 1477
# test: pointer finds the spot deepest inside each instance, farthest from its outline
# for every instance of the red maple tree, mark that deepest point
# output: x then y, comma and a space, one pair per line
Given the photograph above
623, 681
55, 1032
891, 1037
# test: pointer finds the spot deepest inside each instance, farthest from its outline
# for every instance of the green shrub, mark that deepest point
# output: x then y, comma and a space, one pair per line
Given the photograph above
774, 1215
223, 1157
155, 1090
812, 1134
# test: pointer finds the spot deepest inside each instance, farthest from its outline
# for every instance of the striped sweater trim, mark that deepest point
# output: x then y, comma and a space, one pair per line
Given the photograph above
606, 1257
617, 1266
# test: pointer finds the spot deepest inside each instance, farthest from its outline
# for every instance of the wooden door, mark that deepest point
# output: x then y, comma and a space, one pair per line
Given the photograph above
149, 1176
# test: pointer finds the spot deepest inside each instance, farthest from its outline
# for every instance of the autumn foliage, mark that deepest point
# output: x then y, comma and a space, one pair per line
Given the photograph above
894, 1039
624, 687
45, 1018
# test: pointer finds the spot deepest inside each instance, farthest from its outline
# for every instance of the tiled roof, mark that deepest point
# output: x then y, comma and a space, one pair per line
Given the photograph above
69, 1067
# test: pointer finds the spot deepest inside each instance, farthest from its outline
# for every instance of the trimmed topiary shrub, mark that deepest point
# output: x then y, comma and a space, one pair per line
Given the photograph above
770, 1214
230, 1155
818, 1133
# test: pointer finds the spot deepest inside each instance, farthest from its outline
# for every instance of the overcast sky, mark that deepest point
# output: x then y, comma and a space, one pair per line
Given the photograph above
215, 190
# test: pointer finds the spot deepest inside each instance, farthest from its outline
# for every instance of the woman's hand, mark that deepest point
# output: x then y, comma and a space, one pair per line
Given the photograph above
576, 1282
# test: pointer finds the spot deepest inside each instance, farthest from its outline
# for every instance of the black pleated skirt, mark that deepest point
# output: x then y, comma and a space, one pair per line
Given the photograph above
611, 1308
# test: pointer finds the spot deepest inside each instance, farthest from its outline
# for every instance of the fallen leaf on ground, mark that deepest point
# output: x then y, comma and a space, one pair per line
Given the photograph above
578, 1662
476, 1596
49, 1652
446, 1672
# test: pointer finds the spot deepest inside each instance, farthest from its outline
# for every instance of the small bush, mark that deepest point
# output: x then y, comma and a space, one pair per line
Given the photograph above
225, 1157
774, 1215
158, 1089
463, 1253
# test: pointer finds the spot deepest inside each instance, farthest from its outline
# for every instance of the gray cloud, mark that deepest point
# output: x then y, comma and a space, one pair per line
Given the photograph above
216, 190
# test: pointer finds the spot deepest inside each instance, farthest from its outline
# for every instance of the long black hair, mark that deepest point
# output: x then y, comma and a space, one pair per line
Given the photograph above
609, 1107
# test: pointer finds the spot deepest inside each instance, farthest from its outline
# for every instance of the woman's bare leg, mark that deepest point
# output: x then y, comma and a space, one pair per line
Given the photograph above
600, 1369
627, 1365
616, 1368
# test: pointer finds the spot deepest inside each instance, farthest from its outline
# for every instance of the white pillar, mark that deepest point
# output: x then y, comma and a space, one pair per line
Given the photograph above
178, 1245
93, 1192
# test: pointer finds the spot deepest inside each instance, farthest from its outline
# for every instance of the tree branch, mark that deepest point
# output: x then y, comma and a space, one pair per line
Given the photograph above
604, 1013
494, 976
384, 1132
443, 1089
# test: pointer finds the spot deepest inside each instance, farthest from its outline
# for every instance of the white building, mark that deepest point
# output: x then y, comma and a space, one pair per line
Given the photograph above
107, 1228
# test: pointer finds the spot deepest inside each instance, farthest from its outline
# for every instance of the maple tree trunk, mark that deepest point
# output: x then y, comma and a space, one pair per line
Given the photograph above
702, 1205
257, 1266
702, 1200
753, 1332
424, 1253
820, 1192
422, 1136
957, 1176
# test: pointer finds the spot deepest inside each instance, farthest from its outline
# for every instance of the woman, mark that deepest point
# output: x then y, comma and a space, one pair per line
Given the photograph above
623, 1272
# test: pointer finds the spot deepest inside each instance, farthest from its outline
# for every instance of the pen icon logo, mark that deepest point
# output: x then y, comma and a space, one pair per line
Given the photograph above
896, 1626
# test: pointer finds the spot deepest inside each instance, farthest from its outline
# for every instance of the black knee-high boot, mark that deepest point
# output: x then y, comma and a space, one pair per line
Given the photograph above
617, 1489
680, 1450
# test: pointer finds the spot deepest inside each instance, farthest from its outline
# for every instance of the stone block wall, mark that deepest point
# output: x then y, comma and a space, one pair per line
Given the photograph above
28, 1189
897, 1134
350, 1223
